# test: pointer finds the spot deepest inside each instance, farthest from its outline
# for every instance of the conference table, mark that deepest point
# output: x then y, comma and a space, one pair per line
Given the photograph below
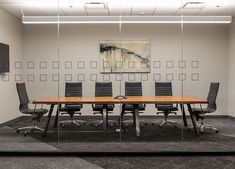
135, 100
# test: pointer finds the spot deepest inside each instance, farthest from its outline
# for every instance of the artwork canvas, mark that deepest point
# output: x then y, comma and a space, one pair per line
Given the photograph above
125, 56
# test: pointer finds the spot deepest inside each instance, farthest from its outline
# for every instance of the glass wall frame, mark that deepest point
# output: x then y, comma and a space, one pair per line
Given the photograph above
188, 55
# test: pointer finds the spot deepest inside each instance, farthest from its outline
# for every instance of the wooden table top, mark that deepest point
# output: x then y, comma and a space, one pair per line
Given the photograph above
130, 100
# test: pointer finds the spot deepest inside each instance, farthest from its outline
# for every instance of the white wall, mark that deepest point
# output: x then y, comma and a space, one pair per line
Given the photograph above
206, 44
231, 61
10, 33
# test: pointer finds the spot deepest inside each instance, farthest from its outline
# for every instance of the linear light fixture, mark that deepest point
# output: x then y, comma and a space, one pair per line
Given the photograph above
123, 19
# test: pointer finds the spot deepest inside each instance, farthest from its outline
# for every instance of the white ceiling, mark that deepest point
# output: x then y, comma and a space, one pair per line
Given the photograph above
117, 7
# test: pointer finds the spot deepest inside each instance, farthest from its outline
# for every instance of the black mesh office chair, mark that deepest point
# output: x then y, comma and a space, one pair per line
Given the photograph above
165, 89
211, 107
132, 89
72, 89
24, 108
103, 89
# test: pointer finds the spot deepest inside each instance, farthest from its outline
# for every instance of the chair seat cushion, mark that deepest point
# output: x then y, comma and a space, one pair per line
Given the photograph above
100, 107
71, 107
202, 110
36, 111
130, 107
166, 107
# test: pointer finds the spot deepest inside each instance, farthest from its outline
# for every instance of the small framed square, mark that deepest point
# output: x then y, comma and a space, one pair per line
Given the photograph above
169, 64
55, 77
157, 77
81, 77
18, 65
118, 64
195, 64
93, 77
30, 65
18, 77
118, 77
5, 78
106, 64
55, 65
43, 65
144, 65
93, 64
68, 65
182, 64
131, 64
169, 77
43, 77
195, 77
156, 64
30, 77
144, 77
131, 77
68, 77
81, 64
182, 76
106, 77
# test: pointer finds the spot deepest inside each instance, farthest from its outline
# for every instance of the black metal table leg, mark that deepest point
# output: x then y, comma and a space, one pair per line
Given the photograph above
48, 120
183, 113
193, 119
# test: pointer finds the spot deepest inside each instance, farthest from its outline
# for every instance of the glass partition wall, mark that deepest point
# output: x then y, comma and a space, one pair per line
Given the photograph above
204, 75
159, 60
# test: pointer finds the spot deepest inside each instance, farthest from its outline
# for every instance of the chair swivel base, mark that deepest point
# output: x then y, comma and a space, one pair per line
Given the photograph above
208, 127
29, 129
72, 121
128, 123
205, 126
165, 122
100, 123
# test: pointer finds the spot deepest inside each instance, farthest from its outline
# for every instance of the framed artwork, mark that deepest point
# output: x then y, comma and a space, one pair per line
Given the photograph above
125, 56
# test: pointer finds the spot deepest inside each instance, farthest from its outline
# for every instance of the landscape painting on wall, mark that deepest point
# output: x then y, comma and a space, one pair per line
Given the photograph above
125, 56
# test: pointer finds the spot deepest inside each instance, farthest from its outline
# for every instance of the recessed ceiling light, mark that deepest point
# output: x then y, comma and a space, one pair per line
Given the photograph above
95, 5
193, 5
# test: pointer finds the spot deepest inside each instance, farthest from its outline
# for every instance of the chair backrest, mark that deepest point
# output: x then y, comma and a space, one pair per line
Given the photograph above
212, 95
73, 89
23, 96
133, 88
163, 89
103, 89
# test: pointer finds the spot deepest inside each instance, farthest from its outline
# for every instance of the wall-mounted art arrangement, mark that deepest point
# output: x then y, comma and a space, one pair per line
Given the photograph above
125, 56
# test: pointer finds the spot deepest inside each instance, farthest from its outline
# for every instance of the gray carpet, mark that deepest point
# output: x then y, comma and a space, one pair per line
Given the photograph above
11, 141
153, 138
45, 163
197, 162
112, 162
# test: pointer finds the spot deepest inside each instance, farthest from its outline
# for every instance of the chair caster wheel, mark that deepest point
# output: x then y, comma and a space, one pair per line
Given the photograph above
25, 134
62, 125
17, 131
217, 131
